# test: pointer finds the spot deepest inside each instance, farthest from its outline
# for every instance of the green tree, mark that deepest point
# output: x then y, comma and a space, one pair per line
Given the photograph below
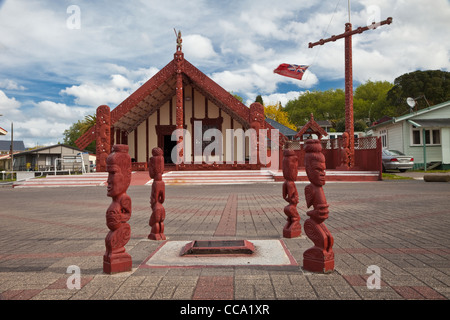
434, 85
76, 130
325, 105
259, 99
370, 101
237, 97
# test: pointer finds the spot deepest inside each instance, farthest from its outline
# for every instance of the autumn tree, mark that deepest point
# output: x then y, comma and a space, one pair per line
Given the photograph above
276, 112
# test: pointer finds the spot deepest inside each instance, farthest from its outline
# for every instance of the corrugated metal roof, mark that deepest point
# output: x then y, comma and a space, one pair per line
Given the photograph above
17, 145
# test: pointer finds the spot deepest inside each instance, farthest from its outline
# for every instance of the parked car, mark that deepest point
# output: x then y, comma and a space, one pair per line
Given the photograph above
396, 160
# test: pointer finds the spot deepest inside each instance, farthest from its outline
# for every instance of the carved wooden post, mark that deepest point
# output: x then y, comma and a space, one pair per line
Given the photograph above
103, 136
256, 123
179, 60
118, 165
156, 169
292, 228
319, 258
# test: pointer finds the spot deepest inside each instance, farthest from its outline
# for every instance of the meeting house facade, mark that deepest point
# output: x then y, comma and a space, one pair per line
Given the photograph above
197, 124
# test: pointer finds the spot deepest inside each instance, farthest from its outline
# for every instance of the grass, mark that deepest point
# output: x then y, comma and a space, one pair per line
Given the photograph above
391, 176
431, 171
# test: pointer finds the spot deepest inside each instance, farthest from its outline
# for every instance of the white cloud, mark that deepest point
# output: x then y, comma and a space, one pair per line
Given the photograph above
61, 112
196, 46
38, 131
8, 106
11, 85
283, 98
112, 92
95, 95
120, 46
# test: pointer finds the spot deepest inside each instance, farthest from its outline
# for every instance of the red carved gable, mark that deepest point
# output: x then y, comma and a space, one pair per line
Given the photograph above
159, 89
311, 127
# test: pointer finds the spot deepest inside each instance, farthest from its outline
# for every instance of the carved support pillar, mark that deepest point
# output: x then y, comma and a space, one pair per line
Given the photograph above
349, 125
292, 228
118, 165
157, 196
103, 136
256, 121
179, 58
319, 258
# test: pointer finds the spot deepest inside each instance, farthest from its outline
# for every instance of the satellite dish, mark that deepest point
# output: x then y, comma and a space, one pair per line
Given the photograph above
411, 102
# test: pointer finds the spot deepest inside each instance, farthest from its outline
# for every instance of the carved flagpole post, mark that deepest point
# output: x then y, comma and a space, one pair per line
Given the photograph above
349, 126
157, 196
118, 165
319, 258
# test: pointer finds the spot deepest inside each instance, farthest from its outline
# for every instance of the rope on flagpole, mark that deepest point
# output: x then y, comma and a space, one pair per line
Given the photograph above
324, 35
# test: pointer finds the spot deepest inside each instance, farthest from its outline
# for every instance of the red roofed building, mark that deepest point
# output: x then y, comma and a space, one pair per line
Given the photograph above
175, 98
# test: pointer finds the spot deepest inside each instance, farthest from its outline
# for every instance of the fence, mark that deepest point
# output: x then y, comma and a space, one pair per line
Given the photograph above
367, 153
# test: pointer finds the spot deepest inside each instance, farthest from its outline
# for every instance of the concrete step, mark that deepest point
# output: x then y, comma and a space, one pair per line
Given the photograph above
217, 177
89, 179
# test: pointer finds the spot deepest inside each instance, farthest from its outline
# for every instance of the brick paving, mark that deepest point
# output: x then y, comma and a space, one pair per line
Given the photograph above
399, 226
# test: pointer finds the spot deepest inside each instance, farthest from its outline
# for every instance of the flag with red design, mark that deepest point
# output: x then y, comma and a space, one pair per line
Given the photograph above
291, 70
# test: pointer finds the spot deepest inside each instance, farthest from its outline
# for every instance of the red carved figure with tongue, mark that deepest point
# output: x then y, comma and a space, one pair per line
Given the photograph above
156, 169
118, 166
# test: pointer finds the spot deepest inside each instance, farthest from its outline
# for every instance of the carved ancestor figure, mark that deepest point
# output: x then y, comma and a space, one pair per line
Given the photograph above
103, 146
179, 39
319, 258
292, 228
118, 165
345, 153
156, 169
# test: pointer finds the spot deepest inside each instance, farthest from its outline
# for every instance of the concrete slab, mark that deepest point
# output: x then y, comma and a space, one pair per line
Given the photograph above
267, 253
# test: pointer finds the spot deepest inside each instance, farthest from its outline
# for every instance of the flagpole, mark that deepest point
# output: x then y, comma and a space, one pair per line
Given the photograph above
349, 11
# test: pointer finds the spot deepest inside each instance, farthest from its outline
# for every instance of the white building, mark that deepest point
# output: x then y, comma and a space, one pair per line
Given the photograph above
408, 133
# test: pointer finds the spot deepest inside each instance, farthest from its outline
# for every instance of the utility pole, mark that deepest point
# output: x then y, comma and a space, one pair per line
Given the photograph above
349, 125
12, 150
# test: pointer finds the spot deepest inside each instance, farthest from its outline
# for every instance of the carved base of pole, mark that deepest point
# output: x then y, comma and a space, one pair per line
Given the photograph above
292, 228
117, 263
116, 259
319, 258
157, 220
156, 236
292, 232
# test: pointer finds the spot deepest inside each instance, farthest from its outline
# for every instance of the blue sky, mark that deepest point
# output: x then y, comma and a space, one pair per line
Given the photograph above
59, 60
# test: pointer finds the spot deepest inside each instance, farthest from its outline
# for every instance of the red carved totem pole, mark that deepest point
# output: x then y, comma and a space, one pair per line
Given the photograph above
292, 228
118, 165
319, 258
103, 148
156, 169
179, 113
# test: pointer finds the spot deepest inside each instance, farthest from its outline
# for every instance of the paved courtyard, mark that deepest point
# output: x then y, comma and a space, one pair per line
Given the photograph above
399, 228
